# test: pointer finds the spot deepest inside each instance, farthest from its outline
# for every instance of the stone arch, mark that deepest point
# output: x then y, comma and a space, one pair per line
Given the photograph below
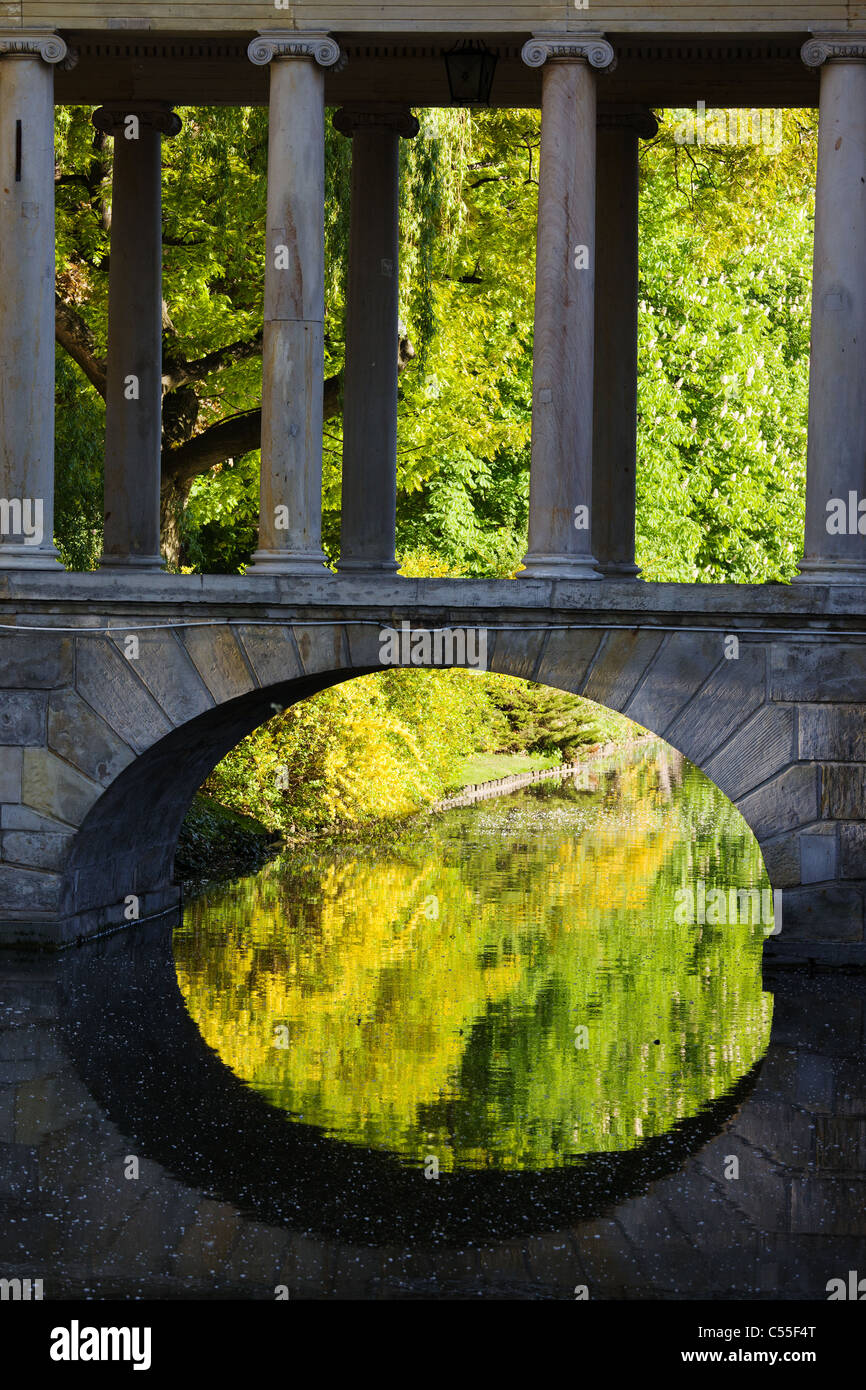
712, 707
176, 710
142, 734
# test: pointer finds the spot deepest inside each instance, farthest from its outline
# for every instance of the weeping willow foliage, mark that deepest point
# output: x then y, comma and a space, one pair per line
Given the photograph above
431, 210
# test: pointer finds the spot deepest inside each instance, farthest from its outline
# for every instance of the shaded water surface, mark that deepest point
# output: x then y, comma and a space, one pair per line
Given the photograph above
502, 1058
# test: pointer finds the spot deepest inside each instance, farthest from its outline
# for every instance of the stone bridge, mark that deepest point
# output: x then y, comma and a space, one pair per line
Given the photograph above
118, 695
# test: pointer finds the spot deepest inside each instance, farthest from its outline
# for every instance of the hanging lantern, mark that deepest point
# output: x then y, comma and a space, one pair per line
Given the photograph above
470, 68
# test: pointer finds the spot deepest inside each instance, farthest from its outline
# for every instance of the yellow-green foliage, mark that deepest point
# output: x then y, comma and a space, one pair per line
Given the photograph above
381, 747
378, 747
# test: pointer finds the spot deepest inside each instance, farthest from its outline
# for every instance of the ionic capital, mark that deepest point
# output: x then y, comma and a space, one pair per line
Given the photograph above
155, 115
287, 43
398, 119
593, 49
33, 44
640, 119
834, 48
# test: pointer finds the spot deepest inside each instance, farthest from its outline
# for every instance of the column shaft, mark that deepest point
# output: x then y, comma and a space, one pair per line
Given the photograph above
133, 396
27, 306
290, 512
369, 498
835, 551
560, 500
614, 445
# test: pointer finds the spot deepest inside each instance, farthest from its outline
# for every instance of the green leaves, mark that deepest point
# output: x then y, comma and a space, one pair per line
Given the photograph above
374, 749
79, 424
723, 369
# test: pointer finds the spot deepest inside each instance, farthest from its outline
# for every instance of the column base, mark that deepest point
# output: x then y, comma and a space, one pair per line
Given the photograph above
830, 572
289, 562
131, 562
29, 557
620, 571
387, 567
540, 566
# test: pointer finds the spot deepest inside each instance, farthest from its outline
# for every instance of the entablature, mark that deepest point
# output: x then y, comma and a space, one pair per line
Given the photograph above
657, 69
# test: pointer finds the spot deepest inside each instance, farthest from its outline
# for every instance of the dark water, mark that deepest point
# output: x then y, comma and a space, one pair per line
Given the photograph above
526, 1051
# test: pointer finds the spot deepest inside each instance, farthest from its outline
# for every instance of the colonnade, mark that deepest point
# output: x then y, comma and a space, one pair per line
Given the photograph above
584, 395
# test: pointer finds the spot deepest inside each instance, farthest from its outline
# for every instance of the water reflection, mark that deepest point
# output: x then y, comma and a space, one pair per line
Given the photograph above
102, 1058
509, 988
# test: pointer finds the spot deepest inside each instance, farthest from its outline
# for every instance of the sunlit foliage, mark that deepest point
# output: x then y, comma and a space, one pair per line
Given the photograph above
724, 324
383, 746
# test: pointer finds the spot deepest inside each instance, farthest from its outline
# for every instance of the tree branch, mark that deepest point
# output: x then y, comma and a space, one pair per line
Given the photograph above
178, 372
226, 439
242, 433
230, 439
75, 337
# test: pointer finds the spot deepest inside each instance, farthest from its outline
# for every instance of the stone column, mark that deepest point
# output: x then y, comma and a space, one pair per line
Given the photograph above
369, 504
133, 393
835, 550
560, 492
614, 435
27, 299
293, 355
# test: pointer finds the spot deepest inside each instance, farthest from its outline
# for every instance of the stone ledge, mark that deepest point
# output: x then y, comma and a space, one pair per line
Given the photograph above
48, 595
47, 932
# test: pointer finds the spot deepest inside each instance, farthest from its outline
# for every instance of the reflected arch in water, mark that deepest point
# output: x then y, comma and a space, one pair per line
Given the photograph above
143, 1059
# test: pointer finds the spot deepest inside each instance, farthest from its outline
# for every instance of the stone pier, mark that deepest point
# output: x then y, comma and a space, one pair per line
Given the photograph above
27, 62
369, 502
133, 399
290, 511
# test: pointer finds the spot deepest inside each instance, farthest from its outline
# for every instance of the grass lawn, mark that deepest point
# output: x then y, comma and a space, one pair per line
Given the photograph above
487, 767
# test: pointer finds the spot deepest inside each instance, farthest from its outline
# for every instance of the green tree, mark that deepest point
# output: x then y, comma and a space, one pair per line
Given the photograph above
726, 255
541, 719
726, 238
